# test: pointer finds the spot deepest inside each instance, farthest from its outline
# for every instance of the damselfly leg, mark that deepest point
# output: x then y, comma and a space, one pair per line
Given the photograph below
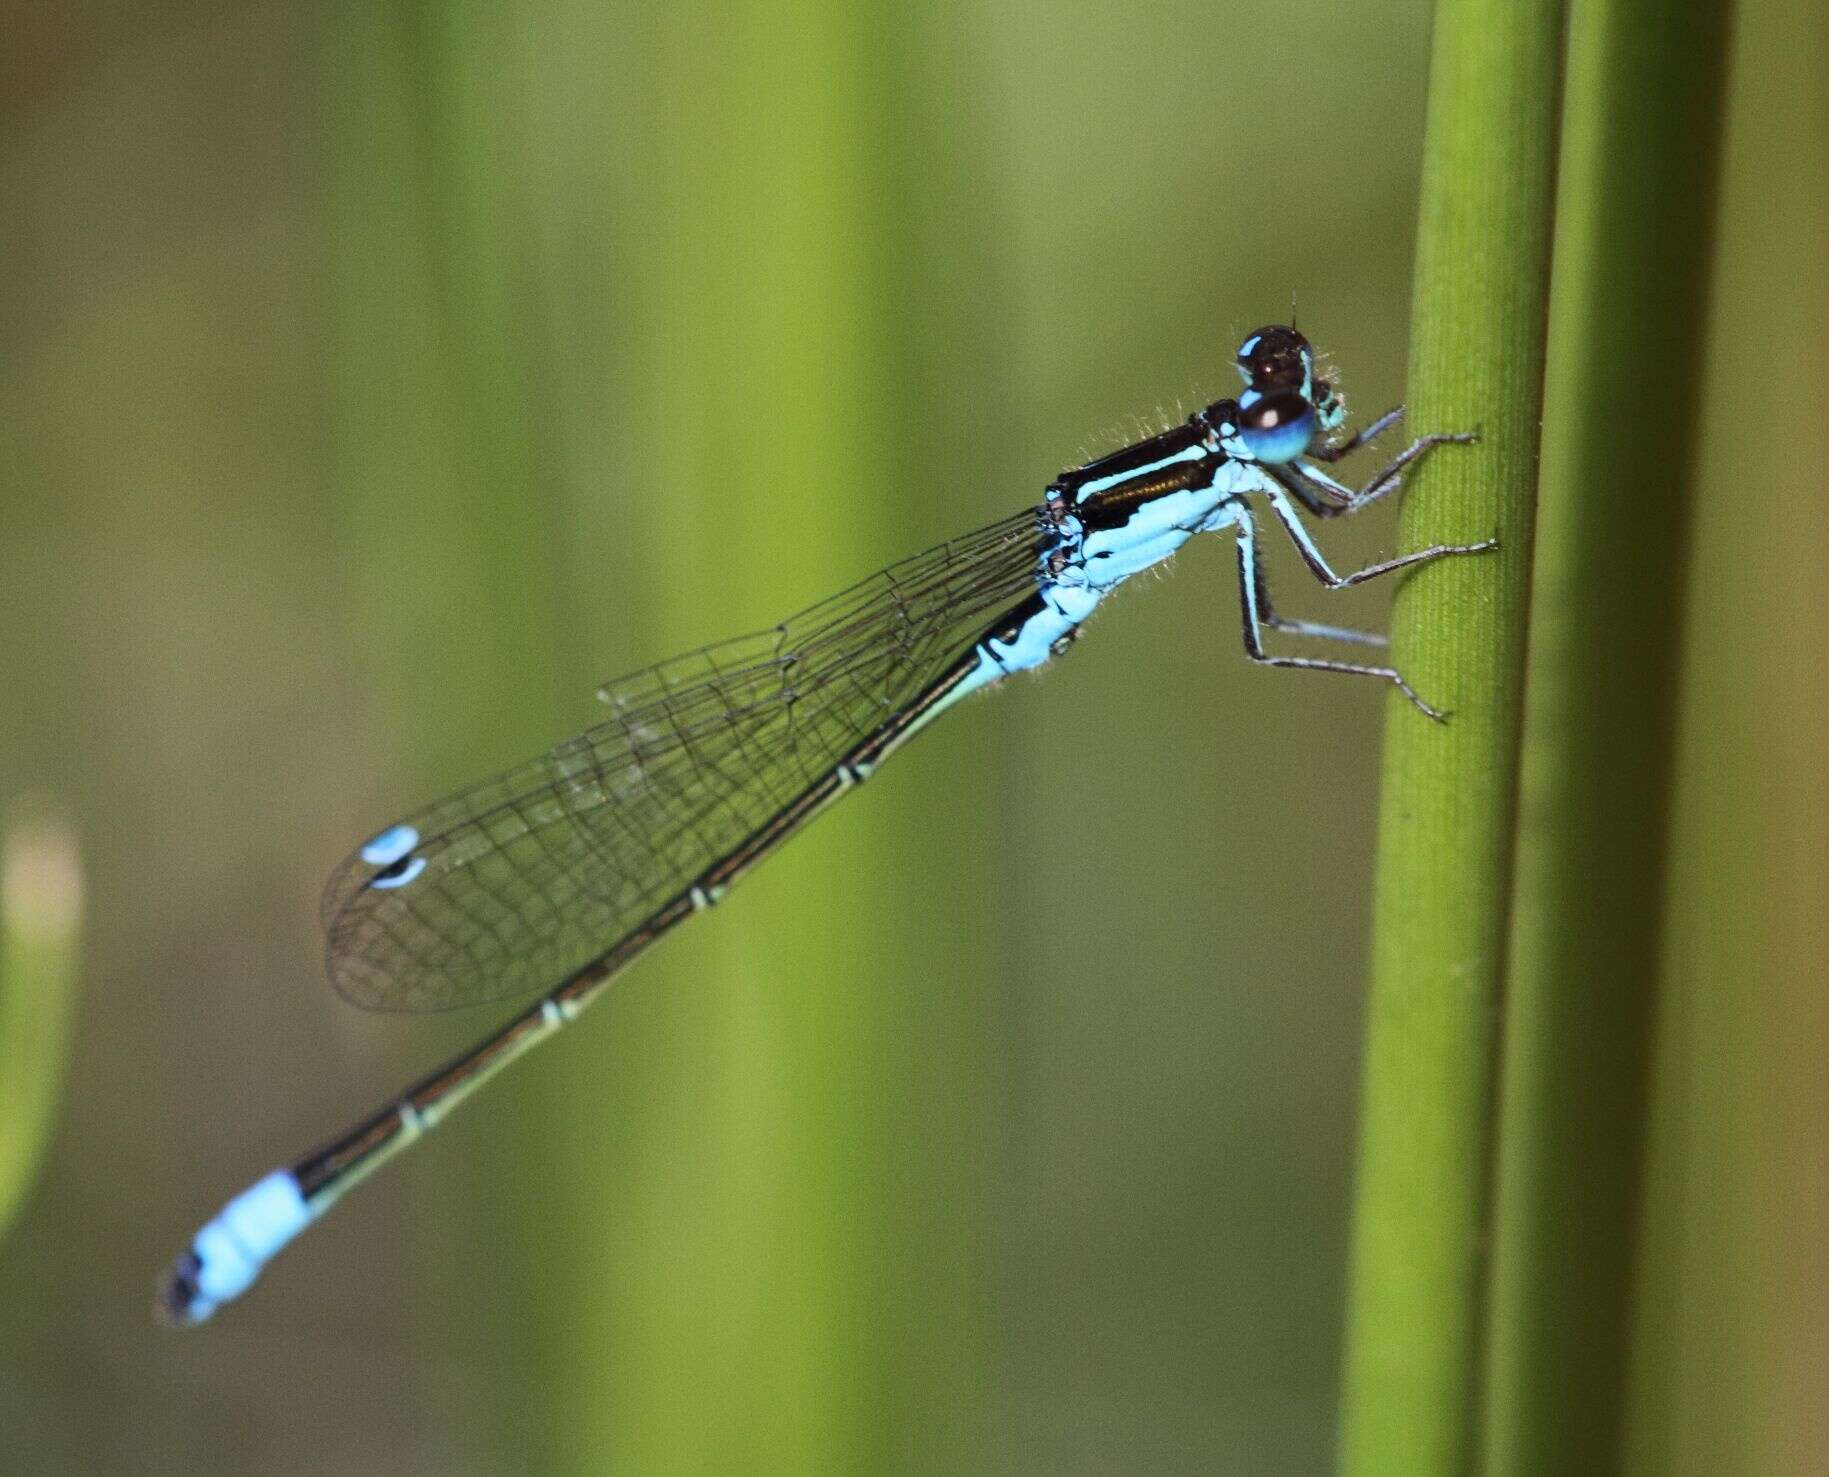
1323, 571
1259, 614
1268, 617
1250, 588
1327, 497
1333, 451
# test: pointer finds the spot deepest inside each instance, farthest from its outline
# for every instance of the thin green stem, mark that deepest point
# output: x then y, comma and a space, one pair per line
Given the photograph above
1634, 222
40, 944
1412, 1391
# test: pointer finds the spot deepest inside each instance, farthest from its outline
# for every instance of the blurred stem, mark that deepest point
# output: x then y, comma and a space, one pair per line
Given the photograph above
450, 524
1634, 223
1446, 831
40, 942
1731, 1284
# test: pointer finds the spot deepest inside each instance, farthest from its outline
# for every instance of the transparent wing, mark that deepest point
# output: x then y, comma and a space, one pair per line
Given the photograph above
513, 885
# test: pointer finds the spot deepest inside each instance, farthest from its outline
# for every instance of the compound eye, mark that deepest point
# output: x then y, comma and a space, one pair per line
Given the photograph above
1277, 428
1275, 358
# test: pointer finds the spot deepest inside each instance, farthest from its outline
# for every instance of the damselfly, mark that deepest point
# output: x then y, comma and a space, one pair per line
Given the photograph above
555, 875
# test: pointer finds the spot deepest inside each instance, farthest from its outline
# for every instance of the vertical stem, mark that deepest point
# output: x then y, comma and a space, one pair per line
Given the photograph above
742, 1246
1449, 793
1731, 1284
1635, 219
41, 903
450, 522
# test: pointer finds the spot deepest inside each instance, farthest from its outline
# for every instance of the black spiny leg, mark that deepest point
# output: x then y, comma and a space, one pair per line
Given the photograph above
1325, 497
1332, 451
1248, 585
1267, 616
1323, 571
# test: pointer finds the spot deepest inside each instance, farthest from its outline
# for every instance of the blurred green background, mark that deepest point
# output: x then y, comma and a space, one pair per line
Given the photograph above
377, 379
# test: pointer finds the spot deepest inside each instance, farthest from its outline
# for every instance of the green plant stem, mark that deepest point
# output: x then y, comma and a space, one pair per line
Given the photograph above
1731, 1283
40, 943
1412, 1385
1634, 222
450, 520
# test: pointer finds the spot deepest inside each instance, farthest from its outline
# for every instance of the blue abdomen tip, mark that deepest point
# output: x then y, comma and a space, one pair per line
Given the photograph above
229, 1252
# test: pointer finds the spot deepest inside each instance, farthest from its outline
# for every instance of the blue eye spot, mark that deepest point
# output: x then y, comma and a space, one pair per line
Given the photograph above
1281, 443
1278, 428
399, 874
392, 844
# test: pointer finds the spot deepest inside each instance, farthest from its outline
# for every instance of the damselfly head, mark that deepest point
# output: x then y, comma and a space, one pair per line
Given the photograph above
1276, 358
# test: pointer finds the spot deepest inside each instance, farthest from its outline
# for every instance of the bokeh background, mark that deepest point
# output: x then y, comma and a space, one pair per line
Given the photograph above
375, 379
